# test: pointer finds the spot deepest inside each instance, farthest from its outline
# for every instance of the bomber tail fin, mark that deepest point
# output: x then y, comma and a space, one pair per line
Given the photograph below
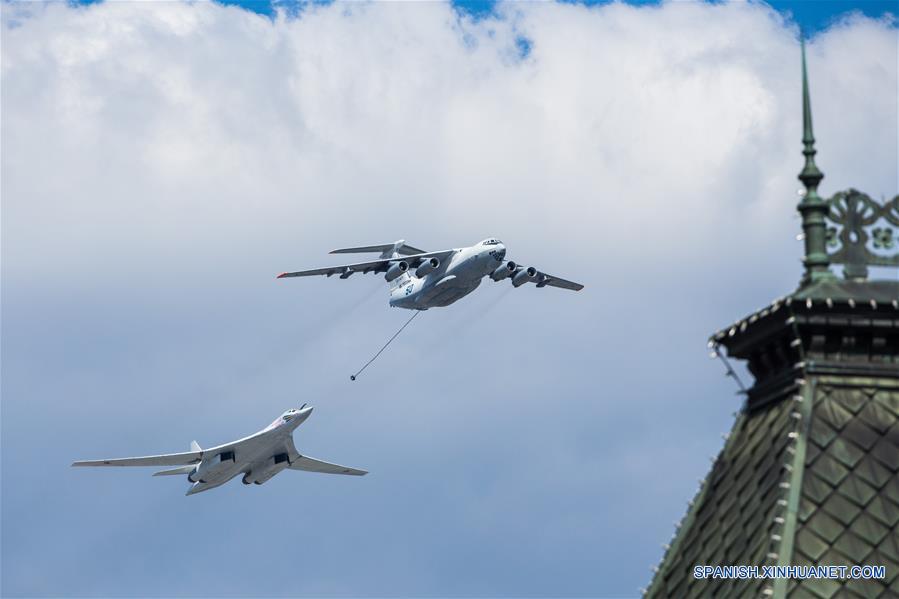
388, 250
194, 446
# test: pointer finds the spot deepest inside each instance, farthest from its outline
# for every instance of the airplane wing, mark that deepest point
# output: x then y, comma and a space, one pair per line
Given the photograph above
510, 270
380, 265
312, 465
168, 459
559, 282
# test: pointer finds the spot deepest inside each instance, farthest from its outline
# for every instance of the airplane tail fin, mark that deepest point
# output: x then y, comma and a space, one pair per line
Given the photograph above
194, 446
388, 250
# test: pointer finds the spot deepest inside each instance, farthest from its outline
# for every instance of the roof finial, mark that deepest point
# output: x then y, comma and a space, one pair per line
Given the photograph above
812, 207
810, 175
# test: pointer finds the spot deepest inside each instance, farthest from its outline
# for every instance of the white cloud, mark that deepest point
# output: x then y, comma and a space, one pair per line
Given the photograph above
161, 162
622, 122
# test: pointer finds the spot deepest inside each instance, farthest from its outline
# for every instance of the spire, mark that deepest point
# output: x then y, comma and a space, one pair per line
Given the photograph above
810, 175
812, 208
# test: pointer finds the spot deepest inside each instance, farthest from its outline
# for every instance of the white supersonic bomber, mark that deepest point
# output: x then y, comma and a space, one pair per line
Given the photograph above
420, 280
258, 457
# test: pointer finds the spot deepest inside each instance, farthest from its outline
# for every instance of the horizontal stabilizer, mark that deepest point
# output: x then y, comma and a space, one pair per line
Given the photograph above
174, 471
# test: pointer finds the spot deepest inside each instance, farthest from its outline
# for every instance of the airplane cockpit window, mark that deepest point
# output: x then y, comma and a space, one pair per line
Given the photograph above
491, 242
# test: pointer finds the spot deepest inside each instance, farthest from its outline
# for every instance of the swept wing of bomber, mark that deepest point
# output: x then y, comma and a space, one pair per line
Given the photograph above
420, 280
257, 457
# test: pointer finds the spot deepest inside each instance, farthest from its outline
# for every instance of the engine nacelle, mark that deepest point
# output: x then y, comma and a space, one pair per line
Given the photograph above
211, 467
273, 466
504, 270
526, 275
395, 270
428, 266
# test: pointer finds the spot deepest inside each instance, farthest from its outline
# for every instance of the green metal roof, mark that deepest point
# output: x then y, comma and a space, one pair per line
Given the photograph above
812, 479
732, 519
809, 475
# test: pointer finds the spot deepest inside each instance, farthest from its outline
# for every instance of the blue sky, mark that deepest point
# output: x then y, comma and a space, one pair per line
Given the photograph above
811, 15
163, 161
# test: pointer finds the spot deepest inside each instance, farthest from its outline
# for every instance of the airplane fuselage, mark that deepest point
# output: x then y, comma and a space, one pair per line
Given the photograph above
261, 456
455, 278
258, 457
420, 280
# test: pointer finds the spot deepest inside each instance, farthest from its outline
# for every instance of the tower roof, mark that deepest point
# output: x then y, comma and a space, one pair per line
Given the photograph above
811, 479
809, 474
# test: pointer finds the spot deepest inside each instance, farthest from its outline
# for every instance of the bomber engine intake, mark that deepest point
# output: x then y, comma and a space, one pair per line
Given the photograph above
428, 266
212, 467
271, 467
395, 270
504, 271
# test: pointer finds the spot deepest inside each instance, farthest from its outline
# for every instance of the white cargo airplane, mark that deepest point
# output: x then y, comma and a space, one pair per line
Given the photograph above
258, 457
420, 280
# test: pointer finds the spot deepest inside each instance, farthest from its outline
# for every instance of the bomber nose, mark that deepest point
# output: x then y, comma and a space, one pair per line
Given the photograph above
304, 414
500, 253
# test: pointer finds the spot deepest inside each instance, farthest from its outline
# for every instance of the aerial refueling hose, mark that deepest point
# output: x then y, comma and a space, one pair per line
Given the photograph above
395, 335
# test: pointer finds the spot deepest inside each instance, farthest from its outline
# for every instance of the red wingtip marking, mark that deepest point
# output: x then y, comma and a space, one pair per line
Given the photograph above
281, 276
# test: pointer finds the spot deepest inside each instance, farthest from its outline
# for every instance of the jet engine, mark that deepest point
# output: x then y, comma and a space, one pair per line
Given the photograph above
526, 275
395, 270
503, 270
272, 466
211, 467
427, 266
